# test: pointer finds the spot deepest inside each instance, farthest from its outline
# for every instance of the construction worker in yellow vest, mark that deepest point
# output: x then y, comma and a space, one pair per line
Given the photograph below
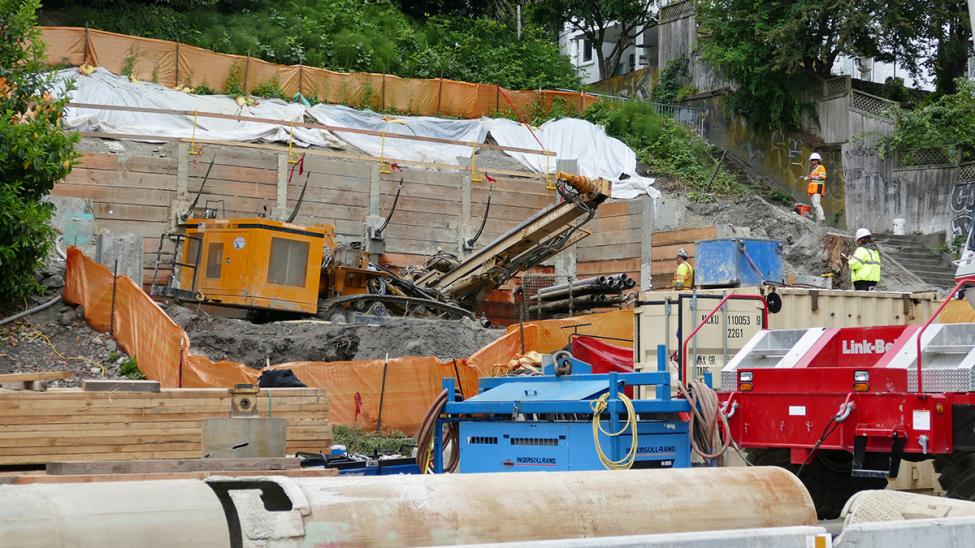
865, 262
816, 185
684, 275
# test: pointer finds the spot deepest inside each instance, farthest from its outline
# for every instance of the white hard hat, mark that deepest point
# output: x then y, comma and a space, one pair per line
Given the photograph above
682, 253
862, 233
815, 156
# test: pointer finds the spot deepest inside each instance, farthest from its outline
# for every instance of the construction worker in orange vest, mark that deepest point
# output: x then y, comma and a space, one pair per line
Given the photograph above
816, 185
684, 275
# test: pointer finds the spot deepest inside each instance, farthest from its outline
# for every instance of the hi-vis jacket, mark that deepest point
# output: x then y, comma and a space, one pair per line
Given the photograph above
865, 265
817, 181
684, 276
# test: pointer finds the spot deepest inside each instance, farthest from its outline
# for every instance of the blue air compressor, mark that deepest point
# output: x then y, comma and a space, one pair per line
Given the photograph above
565, 419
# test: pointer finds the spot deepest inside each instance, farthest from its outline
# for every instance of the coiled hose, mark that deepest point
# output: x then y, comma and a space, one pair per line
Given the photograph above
710, 434
598, 406
424, 439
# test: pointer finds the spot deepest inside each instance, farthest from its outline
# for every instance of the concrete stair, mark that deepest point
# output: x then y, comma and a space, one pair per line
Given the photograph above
918, 258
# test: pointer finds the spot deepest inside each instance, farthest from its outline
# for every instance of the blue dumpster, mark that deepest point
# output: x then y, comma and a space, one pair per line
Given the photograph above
735, 262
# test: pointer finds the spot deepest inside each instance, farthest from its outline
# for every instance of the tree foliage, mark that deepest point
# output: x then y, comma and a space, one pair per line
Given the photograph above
600, 21
948, 32
34, 152
947, 122
771, 49
346, 35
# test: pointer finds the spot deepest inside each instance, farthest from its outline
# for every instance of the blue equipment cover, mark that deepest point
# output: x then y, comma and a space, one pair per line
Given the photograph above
554, 390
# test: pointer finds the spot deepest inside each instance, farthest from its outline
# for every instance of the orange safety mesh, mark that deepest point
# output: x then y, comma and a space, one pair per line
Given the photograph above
150, 60
198, 66
174, 64
65, 45
354, 388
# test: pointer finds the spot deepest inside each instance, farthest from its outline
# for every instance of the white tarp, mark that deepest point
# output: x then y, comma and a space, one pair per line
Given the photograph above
104, 88
597, 154
402, 149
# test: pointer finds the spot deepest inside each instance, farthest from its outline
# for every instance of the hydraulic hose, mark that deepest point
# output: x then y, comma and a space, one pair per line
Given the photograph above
30, 311
710, 434
424, 439
598, 406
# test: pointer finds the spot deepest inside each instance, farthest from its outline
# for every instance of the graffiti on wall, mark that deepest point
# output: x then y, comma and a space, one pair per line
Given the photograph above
866, 172
962, 202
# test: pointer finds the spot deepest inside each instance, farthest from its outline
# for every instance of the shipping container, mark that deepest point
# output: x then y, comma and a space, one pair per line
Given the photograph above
663, 317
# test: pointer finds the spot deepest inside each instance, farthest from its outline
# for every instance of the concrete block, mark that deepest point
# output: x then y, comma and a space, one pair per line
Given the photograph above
127, 248
919, 533
72, 219
91, 385
668, 213
244, 437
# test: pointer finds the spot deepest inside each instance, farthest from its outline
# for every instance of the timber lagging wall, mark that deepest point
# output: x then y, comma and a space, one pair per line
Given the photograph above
142, 192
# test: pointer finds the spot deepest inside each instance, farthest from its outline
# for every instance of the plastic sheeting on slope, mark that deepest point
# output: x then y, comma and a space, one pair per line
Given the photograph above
103, 87
597, 154
402, 149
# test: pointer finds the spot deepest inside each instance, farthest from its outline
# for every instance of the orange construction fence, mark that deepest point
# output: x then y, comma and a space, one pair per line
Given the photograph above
174, 64
400, 389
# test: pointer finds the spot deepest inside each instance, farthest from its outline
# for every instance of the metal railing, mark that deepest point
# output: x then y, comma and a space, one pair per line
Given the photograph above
690, 117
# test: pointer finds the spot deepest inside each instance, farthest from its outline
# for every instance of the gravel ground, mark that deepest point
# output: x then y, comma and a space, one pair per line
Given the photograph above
57, 339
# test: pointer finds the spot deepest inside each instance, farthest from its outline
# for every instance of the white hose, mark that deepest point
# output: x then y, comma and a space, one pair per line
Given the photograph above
64, 256
30, 311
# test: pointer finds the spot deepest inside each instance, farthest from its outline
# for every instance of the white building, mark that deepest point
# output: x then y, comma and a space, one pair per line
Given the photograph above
641, 54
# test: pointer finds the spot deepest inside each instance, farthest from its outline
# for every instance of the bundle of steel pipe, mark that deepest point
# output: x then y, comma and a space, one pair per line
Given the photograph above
581, 295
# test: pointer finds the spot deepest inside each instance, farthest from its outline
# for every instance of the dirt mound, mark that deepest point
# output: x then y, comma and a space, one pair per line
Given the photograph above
808, 247
312, 340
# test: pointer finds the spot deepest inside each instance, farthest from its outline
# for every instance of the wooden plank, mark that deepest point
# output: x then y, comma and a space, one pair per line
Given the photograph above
684, 236
159, 181
24, 479
136, 196
180, 465
40, 376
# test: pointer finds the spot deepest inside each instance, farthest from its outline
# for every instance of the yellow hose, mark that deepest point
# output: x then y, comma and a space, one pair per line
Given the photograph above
598, 406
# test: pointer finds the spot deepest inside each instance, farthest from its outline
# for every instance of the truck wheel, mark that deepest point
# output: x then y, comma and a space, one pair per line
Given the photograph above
956, 473
827, 477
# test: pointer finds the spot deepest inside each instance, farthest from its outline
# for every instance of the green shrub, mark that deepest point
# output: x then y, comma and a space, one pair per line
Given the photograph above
234, 86
673, 79
666, 147
946, 123
269, 90
344, 35
130, 370
34, 152
359, 441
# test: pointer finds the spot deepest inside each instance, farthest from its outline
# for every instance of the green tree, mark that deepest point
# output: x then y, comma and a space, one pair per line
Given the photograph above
601, 21
769, 49
948, 31
34, 151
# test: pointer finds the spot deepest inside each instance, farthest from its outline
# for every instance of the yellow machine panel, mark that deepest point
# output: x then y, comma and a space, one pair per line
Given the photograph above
255, 263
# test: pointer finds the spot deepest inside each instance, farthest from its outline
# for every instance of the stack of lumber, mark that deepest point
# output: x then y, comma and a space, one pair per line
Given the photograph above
74, 425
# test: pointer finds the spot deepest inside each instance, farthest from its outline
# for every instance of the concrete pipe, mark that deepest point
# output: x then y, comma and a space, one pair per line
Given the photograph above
402, 510
109, 514
505, 507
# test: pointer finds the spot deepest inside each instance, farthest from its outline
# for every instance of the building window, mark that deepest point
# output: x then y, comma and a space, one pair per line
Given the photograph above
632, 62
586, 51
